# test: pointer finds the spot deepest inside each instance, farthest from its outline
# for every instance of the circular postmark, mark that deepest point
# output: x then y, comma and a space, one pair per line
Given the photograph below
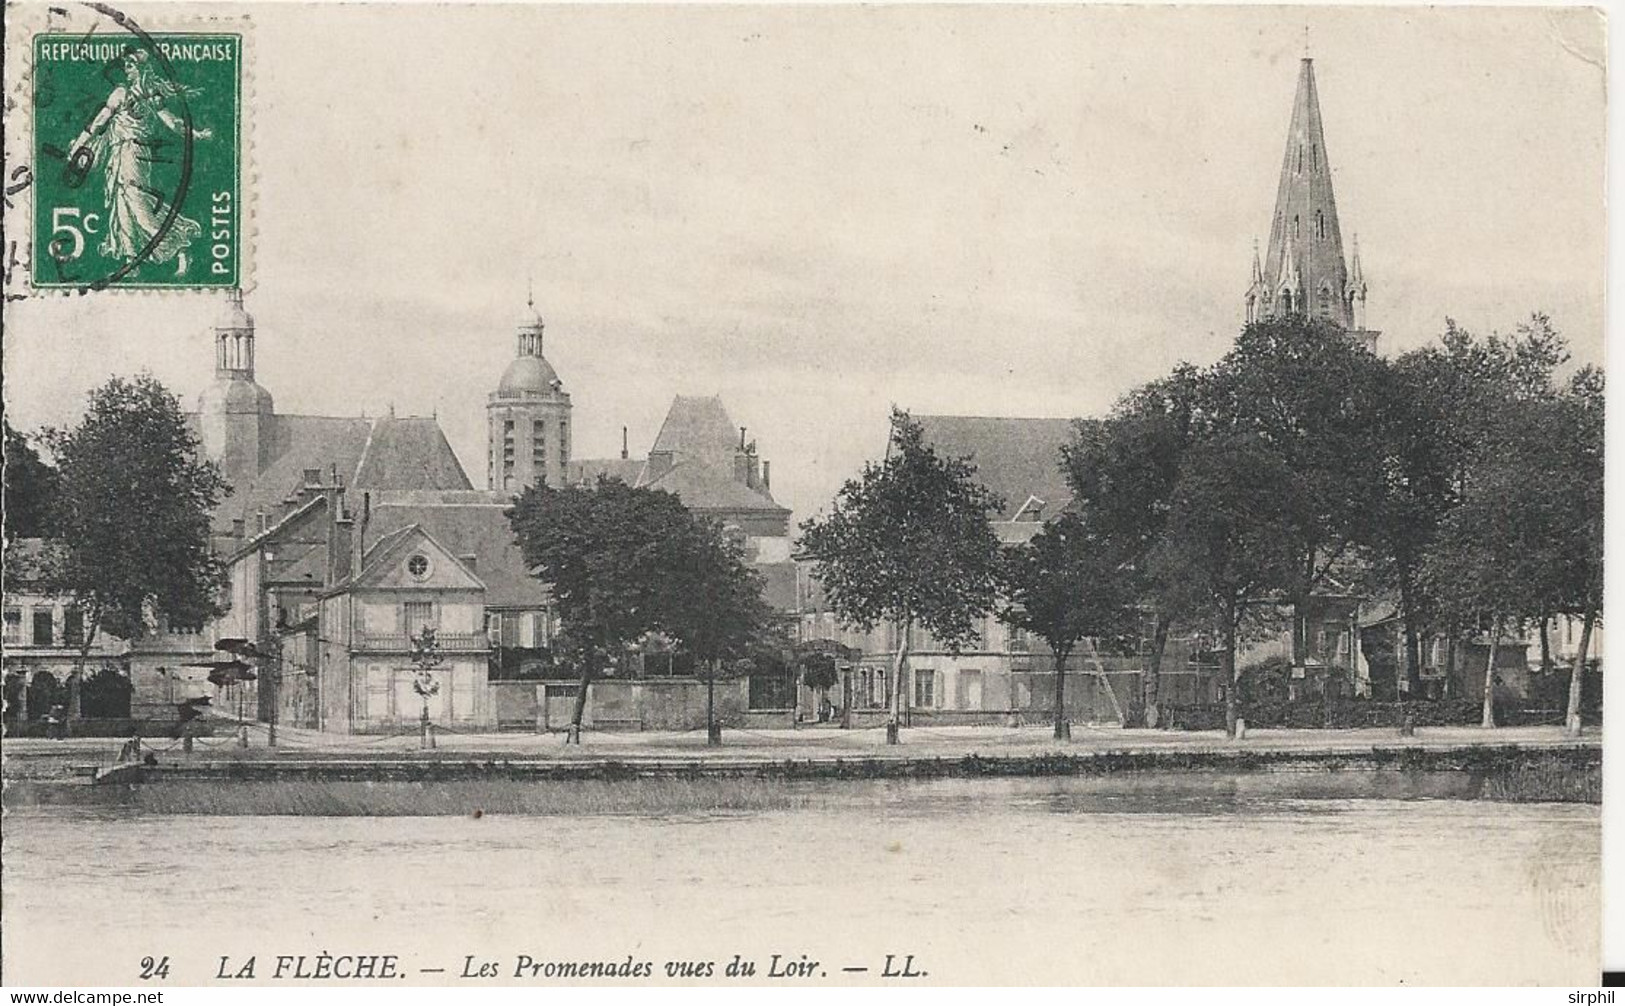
117, 137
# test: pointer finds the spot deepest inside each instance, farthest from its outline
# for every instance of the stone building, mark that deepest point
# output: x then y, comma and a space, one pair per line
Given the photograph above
527, 417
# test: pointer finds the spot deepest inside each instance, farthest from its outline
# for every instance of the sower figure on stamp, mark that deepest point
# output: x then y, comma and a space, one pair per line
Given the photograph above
124, 137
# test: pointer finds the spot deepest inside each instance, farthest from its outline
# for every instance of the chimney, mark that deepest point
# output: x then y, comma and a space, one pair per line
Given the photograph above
238, 526
358, 534
767, 476
470, 560
339, 546
741, 438
623, 443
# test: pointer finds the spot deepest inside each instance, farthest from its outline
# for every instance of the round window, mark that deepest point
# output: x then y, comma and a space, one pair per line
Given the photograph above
418, 566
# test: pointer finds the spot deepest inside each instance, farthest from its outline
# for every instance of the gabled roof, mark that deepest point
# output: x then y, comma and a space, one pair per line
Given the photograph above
462, 528
387, 552
1017, 458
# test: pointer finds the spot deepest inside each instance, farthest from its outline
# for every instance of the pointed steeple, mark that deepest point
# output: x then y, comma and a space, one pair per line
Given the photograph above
1355, 294
1258, 295
1306, 241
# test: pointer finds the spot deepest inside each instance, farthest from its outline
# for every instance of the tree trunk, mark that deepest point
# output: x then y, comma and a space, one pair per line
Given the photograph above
1545, 645
1227, 670
1151, 694
895, 721
1571, 721
713, 736
1413, 639
574, 736
1063, 729
1489, 673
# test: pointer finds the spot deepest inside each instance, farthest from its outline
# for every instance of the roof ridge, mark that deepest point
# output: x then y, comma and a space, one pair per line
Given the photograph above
361, 459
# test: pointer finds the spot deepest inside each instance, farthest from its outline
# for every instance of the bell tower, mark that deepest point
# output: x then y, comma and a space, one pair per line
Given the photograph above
527, 416
234, 413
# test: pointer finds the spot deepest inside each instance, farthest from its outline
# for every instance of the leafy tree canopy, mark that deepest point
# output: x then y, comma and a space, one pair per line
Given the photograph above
30, 489
132, 513
909, 541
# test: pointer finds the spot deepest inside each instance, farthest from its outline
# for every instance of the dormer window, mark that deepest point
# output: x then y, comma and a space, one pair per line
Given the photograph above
1320, 225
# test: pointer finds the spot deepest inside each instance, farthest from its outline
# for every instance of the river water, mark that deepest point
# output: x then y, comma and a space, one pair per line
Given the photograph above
982, 881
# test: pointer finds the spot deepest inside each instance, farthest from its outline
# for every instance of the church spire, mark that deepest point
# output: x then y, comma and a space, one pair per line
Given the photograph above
1306, 242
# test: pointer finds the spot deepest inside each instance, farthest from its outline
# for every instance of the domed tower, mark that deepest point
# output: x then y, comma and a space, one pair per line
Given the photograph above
234, 413
528, 417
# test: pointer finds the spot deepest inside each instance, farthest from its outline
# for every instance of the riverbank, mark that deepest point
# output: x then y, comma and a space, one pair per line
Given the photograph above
1521, 764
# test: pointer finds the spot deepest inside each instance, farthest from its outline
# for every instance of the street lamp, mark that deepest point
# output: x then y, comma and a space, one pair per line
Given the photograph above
426, 655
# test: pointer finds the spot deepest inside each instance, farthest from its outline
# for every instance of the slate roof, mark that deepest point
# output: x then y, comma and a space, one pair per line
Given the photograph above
464, 528
702, 485
699, 428
628, 470
369, 454
1016, 458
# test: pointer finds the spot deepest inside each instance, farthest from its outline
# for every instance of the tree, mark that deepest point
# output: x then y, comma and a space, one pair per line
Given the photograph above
1122, 471
132, 515
30, 488
1314, 398
908, 542
1499, 553
1581, 440
714, 606
612, 556
1062, 585
1223, 543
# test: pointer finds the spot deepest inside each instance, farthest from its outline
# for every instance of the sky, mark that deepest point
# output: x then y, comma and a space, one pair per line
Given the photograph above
818, 212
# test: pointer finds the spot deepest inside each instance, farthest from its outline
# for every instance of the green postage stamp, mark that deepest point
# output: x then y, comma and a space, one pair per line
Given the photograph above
138, 160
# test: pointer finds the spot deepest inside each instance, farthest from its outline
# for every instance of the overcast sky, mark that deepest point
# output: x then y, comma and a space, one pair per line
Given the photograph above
817, 212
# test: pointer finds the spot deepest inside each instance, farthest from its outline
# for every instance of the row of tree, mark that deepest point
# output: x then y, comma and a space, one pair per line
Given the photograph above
1463, 479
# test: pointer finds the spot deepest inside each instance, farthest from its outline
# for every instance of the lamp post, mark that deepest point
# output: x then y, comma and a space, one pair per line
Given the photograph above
269, 659
426, 655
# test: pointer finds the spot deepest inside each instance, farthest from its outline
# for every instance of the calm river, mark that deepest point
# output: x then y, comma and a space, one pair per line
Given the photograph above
982, 881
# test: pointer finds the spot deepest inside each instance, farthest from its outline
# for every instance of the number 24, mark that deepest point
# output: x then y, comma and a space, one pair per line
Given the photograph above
151, 969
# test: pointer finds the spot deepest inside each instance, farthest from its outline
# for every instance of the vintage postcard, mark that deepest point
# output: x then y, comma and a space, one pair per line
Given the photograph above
892, 495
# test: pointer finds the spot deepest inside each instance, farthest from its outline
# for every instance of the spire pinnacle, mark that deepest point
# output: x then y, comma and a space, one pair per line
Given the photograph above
1305, 249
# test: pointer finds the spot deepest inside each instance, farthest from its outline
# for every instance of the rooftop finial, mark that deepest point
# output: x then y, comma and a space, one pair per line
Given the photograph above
530, 292
1305, 41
